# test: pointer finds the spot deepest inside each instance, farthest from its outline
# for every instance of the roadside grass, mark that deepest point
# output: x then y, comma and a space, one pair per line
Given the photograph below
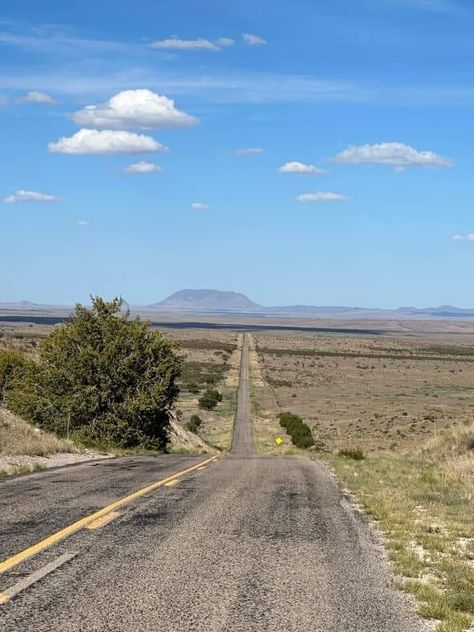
20, 438
423, 503
20, 469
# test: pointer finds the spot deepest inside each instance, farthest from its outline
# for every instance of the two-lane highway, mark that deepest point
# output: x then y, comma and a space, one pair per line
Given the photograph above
243, 543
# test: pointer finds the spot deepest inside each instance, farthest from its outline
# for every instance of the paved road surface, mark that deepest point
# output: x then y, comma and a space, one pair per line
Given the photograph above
247, 544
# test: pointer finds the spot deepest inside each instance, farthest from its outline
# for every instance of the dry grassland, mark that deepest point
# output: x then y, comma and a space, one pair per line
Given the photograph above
385, 392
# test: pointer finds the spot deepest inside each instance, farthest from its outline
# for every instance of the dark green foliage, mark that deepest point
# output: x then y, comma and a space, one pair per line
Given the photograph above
13, 366
210, 399
194, 424
352, 453
102, 377
298, 430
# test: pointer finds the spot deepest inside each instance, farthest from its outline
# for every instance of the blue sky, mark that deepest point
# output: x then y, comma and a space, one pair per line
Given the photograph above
314, 152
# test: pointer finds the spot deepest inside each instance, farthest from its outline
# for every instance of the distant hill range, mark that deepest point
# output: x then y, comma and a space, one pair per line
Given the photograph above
219, 302
207, 301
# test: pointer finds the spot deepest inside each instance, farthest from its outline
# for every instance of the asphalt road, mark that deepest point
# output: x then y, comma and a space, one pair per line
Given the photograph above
248, 543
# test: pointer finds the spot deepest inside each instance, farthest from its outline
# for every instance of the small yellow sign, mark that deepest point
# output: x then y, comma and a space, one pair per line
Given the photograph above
278, 440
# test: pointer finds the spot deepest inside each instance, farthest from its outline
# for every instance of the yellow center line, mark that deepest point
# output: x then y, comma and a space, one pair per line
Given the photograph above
172, 483
84, 522
101, 522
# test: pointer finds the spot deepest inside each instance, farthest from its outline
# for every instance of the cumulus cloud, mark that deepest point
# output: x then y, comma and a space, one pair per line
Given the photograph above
143, 167
249, 151
175, 43
199, 206
468, 237
92, 141
253, 40
29, 196
37, 97
300, 167
142, 109
393, 154
321, 197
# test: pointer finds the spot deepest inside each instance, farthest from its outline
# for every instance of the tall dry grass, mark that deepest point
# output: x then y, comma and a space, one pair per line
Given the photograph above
20, 438
452, 452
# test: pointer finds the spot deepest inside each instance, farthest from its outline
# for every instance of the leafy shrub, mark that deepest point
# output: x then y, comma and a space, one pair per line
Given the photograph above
194, 424
352, 453
298, 430
13, 366
210, 399
102, 377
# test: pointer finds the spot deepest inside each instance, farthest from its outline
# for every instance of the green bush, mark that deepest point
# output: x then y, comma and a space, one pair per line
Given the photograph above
210, 399
298, 430
13, 366
102, 377
352, 453
194, 424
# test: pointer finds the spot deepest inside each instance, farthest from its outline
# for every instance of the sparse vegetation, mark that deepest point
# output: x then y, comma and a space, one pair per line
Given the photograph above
210, 399
352, 453
423, 503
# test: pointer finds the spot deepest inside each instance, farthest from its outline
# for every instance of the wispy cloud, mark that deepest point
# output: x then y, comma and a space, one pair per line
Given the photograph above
468, 237
82, 222
200, 206
253, 40
175, 43
321, 197
34, 96
30, 196
398, 155
248, 151
143, 167
301, 168
92, 141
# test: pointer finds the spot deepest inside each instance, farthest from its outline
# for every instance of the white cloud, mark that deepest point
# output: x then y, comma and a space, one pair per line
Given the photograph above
321, 197
143, 167
92, 141
225, 42
249, 151
175, 43
300, 167
199, 206
37, 97
142, 109
468, 237
29, 196
82, 222
394, 154
253, 40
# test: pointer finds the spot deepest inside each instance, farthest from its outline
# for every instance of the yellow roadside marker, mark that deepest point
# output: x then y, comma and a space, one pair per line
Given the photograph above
278, 440
84, 522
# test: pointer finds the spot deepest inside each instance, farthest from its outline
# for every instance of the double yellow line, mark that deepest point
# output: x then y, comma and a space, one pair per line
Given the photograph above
84, 522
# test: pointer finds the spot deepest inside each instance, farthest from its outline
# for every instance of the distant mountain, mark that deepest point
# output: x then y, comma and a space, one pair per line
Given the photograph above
218, 302
207, 301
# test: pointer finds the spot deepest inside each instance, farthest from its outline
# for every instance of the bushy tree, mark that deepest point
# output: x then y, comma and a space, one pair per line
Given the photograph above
194, 424
210, 399
103, 377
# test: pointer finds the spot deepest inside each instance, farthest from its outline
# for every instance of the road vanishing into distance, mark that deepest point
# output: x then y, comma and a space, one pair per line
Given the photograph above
180, 543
